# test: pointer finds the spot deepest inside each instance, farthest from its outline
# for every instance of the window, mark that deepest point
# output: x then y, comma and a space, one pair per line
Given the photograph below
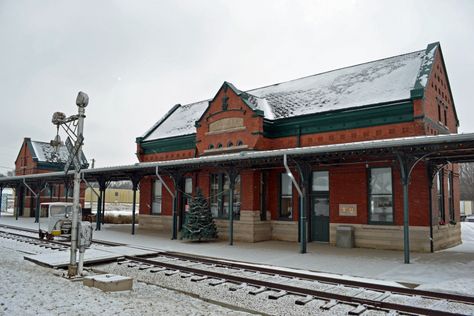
320, 192
450, 196
157, 197
240, 143
49, 191
286, 197
188, 190
445, 118
380, 195
440, 194
219, 145
320, 181
211, 146
230, 144
219, 196
69, 192
439, 113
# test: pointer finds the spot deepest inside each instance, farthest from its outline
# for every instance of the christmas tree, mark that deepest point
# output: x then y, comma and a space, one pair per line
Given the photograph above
198, 222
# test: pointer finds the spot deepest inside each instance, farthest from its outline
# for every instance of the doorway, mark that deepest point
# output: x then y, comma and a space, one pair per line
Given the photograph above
320, 206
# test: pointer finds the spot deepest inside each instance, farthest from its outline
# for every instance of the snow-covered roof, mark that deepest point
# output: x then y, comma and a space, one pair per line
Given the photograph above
44, 152
179, 121
381, 81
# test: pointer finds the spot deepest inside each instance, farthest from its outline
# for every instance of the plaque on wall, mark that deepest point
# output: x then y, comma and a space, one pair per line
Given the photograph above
347, 209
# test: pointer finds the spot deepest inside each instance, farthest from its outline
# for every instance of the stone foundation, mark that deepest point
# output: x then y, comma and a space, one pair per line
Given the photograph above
285, 230
155, 222
248, 228
390, 237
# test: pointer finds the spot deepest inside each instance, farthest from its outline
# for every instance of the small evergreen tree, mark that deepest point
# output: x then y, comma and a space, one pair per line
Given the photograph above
198, 222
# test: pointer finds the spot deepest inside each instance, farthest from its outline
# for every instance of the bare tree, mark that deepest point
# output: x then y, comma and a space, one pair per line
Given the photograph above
466, 175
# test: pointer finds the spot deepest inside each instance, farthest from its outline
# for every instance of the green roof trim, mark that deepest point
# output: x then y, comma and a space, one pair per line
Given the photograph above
169, 144
425, 69
340, 120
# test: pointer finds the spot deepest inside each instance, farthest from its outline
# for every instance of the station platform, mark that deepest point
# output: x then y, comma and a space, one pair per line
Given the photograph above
449, 268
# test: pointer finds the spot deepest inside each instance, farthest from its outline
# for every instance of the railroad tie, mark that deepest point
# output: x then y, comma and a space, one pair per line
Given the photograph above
144, 267
186, 275
304, 300
215, 282
237, 287
258, 290
155, 270
277, 295
383, 296
329, 305
358, 310
122, 260
198, 278
170, 273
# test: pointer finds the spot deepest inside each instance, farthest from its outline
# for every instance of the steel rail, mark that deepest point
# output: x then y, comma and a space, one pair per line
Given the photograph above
31, 230
295, 274
381, 305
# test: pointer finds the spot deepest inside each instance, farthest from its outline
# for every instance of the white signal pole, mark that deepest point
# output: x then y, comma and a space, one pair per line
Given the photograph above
81, 101
74, 130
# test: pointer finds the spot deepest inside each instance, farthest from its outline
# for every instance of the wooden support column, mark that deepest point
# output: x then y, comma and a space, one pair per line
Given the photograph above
177, 178
232, 173
304, 170
18, 200
135, 182
104, 188
98, 219
432, 170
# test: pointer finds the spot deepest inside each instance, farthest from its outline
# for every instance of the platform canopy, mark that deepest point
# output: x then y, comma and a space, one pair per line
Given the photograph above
436, 149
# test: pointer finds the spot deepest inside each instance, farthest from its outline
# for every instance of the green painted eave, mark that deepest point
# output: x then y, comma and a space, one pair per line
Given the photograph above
340, 120
169, 144
56, 166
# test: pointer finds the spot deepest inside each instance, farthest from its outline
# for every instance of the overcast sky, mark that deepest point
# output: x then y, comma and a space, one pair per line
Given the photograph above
136, 59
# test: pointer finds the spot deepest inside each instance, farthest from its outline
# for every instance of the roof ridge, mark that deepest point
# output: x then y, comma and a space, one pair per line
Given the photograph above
337, 69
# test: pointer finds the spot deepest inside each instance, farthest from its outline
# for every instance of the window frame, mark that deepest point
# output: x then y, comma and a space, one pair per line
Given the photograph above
440, 196
187, 199
451, 197
281, 197
153, 196
221, 179
369, 195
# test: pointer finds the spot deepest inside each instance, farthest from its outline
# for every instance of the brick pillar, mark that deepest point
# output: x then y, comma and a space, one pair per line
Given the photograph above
250, 227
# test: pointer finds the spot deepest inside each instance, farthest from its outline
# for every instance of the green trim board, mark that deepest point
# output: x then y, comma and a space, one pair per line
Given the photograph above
169, 144
340, 120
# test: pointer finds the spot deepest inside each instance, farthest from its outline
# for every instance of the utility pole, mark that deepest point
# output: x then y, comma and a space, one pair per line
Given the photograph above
74, 127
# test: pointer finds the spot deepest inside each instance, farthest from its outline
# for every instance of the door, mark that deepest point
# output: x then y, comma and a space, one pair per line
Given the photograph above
320, 206
320, 218
186, 197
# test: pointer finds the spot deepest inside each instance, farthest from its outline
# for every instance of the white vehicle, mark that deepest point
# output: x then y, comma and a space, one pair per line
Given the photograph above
59, 220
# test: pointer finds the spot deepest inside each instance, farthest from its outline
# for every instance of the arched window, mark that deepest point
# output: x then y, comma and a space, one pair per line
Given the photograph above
230, 144
240, 143
211, 146
219, 145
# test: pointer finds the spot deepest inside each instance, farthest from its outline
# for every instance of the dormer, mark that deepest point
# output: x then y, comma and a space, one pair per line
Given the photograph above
232, 122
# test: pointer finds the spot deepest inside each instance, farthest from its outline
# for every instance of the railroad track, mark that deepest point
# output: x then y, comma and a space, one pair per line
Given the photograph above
362, 297
35, 231
47, 244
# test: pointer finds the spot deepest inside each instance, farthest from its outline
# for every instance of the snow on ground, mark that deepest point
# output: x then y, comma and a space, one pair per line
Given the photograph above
449, 270
28, 289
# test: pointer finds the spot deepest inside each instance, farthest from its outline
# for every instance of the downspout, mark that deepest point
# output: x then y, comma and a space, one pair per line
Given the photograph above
302, 218
174, 199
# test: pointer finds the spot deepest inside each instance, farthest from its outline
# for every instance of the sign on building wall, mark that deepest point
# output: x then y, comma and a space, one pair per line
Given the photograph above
347, 209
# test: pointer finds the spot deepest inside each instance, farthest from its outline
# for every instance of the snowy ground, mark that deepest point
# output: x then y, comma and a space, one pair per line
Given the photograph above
449, 270
28, 289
